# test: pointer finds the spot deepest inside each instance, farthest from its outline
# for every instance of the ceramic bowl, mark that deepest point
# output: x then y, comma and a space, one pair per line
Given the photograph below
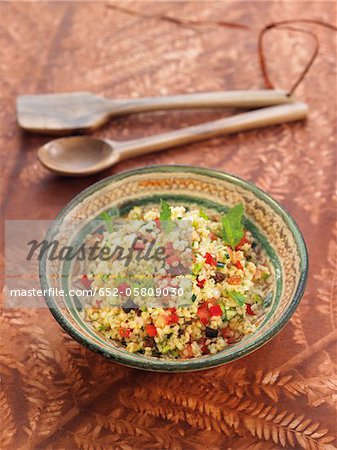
264, 217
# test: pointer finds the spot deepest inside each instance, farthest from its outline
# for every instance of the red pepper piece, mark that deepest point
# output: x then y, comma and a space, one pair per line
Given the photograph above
201, 283
241, 243
203, 314
213, 237
215, 311
125, 332
157, 220
151, 330
209, 259
249, 310
239, 265
173, 318
86, 283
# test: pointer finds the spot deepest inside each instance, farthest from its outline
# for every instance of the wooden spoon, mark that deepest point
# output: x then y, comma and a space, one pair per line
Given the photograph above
66, 113
84, 155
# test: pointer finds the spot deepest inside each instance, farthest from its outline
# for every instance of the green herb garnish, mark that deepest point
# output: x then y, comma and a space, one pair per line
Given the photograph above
197, 267
108, 221
239, 298
105, 277
265, 276
230, 313
203, 215
165, 211
257, 298
223, 309
232, 227
165, 215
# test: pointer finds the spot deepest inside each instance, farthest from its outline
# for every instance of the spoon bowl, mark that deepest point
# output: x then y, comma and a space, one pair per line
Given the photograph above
78, 155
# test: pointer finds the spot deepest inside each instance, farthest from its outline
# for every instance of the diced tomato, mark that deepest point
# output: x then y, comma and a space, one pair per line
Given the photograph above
122, 288
125, 332
151, 330
139, 244
241, 243
157, 220
172, 310
215, 311
203, 314
249, 310
213, 236
169, 248
201, 283
234, 280
226, 332
172, 259
209, 259
86, 283
173, 318
239, 265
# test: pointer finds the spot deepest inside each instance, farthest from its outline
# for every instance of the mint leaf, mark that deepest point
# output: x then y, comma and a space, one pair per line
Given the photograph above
165, 215
165, 211
239, 298
232, 228
108, 220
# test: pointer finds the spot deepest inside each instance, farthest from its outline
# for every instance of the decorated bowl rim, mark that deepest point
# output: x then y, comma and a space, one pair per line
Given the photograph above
205, 362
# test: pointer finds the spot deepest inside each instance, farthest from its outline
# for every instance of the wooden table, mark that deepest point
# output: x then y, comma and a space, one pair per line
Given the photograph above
57, 395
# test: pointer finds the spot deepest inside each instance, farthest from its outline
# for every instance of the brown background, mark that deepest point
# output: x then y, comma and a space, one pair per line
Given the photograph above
54, 393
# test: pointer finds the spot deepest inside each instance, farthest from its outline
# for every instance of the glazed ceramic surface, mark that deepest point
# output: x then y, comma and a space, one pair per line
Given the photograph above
264, 217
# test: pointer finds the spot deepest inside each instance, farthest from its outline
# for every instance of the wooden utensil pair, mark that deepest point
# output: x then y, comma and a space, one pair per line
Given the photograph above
76, 156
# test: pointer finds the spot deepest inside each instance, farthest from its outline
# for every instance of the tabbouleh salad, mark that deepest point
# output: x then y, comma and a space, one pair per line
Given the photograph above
230, 287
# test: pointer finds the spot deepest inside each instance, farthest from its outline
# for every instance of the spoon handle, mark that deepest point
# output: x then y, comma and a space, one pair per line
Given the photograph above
245, 121
229, 99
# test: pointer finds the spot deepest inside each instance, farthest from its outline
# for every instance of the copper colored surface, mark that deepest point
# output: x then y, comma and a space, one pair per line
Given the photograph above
54, 394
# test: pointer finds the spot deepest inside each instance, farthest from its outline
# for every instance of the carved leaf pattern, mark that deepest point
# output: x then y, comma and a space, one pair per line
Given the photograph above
55, 394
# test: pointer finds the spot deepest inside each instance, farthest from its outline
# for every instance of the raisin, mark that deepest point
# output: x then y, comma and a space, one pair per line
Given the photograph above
149, 342
129, 306
211, 333
219, 277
